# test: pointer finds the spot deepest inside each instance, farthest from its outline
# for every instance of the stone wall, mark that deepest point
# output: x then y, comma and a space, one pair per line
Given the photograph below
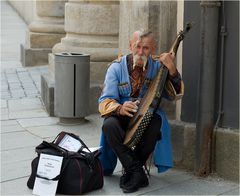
226, 157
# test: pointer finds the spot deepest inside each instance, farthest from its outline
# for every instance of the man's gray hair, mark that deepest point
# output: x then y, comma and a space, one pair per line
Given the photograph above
145, 33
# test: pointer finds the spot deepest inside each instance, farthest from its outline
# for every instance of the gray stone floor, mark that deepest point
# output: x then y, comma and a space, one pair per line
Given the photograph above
25, 124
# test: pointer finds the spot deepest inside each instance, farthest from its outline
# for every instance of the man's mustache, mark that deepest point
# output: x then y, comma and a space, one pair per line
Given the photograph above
137, 58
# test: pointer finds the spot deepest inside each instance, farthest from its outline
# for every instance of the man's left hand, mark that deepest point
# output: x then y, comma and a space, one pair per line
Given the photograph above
167, 60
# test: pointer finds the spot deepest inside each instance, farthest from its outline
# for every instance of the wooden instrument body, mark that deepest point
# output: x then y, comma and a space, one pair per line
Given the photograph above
151, 100
147, 107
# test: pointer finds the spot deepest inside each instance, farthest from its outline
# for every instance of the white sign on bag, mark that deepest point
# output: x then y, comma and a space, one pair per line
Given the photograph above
69, 143
49, 167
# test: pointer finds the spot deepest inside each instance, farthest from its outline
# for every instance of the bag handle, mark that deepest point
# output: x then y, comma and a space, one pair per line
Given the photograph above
89, 156
63, 133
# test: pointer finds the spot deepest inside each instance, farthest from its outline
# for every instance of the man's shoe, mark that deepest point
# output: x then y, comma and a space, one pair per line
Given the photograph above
124, 179
138, 179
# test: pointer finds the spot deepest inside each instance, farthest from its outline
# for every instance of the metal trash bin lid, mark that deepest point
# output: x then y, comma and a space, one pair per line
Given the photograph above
71, 54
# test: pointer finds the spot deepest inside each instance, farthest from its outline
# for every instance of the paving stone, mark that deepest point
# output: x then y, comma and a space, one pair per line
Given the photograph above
15, 140
194, 186
21, 69
11, 128
17, 91
17, 155
84, 131
24, 104
8, 122
13, 81
4, 89
23, 74
27, 114
10, 71
12, 170
12, 75
16, 187
16, 95
5, 95
12, 78
3, 103
32, 122
5, 65
15, 85
4, 117
32, 93
29, 85
232, 192
4, 111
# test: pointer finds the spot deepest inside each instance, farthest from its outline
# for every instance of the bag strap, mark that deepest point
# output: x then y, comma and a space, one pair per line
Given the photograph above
51, 145
45, 178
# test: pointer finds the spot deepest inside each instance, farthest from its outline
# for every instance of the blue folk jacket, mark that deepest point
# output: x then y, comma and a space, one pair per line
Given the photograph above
117, 86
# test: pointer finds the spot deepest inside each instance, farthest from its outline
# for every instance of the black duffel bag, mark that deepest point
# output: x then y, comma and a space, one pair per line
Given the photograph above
81, 171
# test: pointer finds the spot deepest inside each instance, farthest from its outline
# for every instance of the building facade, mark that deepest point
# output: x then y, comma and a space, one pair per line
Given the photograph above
102, 29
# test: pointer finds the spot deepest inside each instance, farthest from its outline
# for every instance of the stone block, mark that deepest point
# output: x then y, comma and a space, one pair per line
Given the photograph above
34, 57
15, 170
44, 40
226, 162
98, 71
51, 65
11, 128
194, 186
21, 139
227, 154
37, 121
183, 141
178, 141
18, 155
169, 107
47, 93
16, 186
24, 104
189, 146
95, 92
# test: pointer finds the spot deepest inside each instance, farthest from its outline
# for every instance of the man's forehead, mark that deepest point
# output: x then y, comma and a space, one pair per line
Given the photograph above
144, 41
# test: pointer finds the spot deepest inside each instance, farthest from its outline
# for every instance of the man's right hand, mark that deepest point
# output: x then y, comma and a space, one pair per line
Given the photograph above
129, 108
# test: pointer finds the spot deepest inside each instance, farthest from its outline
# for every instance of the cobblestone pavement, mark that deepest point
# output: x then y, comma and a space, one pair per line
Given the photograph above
21, 82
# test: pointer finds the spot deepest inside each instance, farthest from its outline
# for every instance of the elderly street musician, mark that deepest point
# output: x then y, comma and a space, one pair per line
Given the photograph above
127, 80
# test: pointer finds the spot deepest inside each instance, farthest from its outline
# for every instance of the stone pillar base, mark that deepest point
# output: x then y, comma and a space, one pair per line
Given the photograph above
34, 56
47, 94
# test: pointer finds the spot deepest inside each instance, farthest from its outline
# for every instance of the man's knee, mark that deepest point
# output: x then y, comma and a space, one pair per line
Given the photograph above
109, 124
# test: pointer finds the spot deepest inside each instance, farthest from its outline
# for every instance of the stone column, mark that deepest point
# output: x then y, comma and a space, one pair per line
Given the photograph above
44, 32
92, 28
158, 16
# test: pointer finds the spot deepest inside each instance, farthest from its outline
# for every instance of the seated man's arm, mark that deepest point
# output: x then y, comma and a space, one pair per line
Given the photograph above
174, 87
108, 101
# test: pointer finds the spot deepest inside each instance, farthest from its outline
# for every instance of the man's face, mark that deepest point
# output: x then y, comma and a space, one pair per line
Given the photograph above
142, 47
141, 50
